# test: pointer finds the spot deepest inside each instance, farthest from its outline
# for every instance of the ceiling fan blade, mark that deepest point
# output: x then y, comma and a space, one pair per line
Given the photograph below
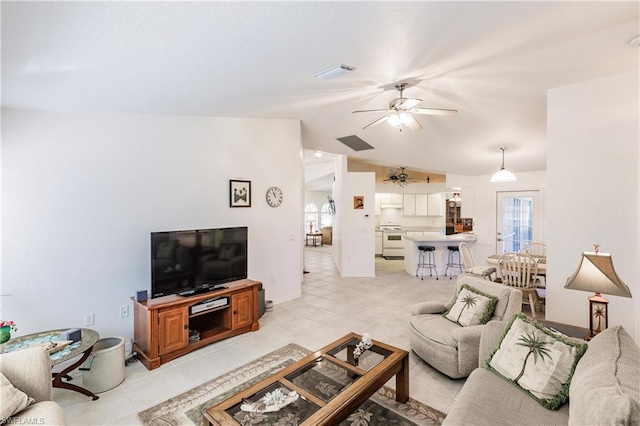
413, 123
372, 110
410, 103
433, 111
378, 121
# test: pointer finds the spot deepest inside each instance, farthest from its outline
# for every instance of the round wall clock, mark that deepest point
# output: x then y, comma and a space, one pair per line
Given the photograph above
274, 196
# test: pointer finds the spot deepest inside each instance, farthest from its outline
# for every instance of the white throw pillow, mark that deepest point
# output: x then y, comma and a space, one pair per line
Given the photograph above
472, 307
12, 400
537, 360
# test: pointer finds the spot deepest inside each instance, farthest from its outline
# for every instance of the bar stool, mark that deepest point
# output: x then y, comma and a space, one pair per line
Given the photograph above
429, 262
451, 261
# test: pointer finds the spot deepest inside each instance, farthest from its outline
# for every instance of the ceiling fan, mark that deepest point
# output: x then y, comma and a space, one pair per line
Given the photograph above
400, 177
400, 110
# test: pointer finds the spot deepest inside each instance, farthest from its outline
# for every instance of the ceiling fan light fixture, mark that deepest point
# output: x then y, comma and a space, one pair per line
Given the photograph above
400, 119
317, 154
503, 175
395, 120
333, 72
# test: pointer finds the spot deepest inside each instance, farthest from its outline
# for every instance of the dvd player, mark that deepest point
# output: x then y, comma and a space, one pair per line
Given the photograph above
208, 304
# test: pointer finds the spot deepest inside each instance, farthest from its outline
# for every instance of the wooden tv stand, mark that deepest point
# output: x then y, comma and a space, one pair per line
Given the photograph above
161, 326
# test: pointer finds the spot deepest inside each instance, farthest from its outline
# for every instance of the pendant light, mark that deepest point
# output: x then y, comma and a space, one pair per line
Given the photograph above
503, 175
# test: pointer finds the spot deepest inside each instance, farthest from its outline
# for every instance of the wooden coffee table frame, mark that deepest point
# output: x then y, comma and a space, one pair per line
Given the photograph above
343, 404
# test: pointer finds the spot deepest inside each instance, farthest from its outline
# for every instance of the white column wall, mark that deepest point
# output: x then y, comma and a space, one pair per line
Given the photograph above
593, 192
82, 192
354, 230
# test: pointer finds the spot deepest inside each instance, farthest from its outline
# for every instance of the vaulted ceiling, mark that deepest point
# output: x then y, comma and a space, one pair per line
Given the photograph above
492, 61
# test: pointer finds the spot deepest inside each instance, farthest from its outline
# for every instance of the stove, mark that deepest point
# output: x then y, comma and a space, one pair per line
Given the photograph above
392, 240
390, 227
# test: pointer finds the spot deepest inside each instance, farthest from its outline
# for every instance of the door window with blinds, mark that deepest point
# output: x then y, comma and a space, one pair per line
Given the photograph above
519, 220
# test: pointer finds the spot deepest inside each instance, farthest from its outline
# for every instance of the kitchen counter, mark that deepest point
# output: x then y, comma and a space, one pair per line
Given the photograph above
441, 254
456, 238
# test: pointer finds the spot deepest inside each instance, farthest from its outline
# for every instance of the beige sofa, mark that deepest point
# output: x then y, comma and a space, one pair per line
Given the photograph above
605, 388
29, 370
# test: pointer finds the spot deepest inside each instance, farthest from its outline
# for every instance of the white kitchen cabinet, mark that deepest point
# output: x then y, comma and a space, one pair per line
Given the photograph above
435, 205
378, 243
409, 204
388, 199
421, 204
378, 201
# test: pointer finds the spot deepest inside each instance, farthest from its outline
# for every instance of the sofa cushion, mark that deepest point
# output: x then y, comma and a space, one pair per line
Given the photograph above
487, 399
435, 327
502, 292
538, 360
12, 400
606, 383
472, 307
47, 412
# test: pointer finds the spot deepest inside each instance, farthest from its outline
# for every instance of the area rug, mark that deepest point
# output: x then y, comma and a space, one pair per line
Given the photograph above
187, 408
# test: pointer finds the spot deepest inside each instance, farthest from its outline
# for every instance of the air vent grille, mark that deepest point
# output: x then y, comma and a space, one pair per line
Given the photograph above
355, 143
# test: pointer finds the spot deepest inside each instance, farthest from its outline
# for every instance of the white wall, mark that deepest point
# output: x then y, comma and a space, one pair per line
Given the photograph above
354, 230
593, 195
82, 192
485, 204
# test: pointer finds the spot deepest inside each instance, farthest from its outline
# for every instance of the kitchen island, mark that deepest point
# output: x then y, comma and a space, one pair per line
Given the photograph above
440, 242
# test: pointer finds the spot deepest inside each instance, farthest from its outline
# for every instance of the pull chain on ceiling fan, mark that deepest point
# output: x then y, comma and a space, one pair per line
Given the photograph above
401, 109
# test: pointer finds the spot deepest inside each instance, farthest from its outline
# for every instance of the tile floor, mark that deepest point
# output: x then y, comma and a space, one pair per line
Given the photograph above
330, 307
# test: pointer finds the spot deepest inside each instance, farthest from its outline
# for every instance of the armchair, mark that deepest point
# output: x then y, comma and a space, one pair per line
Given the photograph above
447, 346
29, 370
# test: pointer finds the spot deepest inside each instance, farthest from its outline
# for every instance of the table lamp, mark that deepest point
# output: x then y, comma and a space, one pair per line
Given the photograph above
596, 273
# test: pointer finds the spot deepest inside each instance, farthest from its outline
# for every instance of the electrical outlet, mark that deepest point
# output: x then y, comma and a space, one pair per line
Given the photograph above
124, 311
89, 319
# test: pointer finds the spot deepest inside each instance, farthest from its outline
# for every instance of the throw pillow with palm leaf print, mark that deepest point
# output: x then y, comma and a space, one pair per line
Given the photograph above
472, 307
538, 360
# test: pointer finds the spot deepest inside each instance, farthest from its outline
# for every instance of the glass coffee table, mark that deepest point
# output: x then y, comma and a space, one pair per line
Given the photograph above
331, 384
83, 347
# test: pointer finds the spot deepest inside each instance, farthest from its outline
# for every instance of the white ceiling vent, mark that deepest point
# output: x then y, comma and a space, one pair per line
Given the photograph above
333, 72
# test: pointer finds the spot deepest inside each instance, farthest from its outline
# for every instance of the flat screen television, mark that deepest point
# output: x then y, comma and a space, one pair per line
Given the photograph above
196, 261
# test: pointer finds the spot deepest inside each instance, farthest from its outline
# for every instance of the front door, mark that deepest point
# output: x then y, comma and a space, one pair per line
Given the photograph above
519, 220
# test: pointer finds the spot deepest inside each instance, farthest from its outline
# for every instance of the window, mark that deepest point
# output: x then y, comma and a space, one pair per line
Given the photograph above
326, 217
311, 217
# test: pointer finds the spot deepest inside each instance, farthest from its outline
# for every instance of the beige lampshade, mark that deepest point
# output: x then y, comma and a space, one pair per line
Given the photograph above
597, 274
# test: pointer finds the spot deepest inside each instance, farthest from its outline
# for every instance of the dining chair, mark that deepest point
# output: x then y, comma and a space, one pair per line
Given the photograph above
520, 270
469, 263
535, 249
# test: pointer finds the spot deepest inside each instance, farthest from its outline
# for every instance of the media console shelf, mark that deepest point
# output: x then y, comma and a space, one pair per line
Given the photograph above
161, 326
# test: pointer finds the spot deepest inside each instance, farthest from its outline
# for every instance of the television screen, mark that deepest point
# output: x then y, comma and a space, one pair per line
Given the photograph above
189, 262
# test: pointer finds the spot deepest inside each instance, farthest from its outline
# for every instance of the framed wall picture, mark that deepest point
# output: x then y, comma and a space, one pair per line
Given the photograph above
239, 193
358, 202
